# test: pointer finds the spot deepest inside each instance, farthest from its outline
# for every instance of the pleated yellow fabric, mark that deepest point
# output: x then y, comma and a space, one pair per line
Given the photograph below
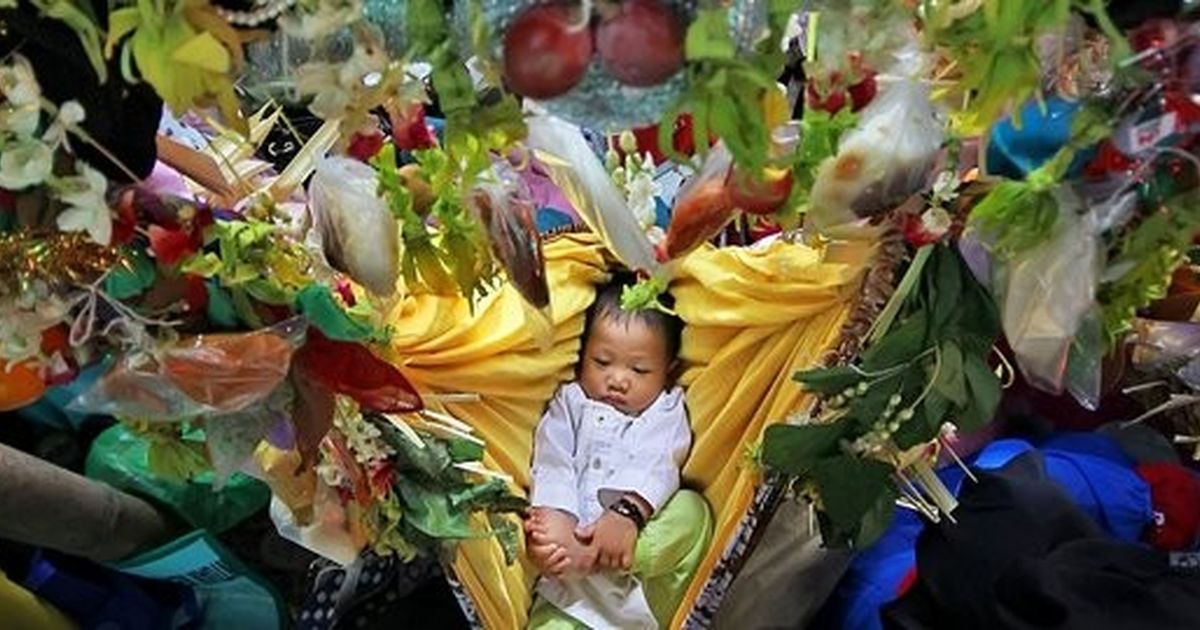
753, 316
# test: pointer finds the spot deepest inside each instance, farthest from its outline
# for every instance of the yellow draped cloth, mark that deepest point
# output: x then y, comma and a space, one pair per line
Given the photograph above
753, 317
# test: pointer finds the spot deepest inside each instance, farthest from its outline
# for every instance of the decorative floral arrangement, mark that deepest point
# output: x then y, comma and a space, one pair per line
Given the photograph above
179, 288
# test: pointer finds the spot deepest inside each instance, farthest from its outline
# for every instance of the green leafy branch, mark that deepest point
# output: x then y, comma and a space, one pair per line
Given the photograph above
931, 368
1150, 252
727, 86
432, 500
1017, 216
451, 255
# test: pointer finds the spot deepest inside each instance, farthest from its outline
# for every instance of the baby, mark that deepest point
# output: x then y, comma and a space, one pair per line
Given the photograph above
606, 459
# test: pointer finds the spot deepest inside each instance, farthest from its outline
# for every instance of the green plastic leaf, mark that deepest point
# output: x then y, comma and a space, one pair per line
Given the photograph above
645, 295
853, 490
507, 534
318, 305
465, 450
934, 410
126, 282
205, 265
796, 449
950, 382
220, 309
828, 381
948, 288
709, 37
245, 308
429, 511
900, 345
432, 460
985, 394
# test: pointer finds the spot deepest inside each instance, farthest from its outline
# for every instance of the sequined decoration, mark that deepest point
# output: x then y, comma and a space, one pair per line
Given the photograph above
61, 257
600, 102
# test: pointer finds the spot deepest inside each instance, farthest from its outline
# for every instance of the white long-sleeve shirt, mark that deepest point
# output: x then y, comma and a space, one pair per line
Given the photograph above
586, 455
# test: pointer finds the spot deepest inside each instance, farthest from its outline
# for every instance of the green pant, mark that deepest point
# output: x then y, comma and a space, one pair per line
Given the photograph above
668, 552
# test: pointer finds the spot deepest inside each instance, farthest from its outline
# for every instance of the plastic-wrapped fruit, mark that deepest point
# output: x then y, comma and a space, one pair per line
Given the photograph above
759, 196
642, 43
546, 51
698, 217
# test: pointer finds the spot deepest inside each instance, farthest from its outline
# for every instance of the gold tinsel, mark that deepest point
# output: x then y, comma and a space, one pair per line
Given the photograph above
54, 258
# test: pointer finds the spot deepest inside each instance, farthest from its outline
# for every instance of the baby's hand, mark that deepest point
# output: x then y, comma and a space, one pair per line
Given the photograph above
612, 539
550, 538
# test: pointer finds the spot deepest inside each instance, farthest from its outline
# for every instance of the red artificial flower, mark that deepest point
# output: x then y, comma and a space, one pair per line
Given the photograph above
125, 224
364, 146
926, 228
195, 295
379, 478
346, 292
409, 129
170, 246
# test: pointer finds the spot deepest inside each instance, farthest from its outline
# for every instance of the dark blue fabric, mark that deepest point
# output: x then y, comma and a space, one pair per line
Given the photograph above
98, 597
1090, 467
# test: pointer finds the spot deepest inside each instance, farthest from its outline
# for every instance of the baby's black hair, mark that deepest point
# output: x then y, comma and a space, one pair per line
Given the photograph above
608, 306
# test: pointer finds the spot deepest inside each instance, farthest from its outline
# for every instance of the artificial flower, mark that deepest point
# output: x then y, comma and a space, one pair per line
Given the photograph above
640, 192
929, 227
25, 163
170, 246
70, 114
365, 146
21, 121
19, 85
410, 130
88, 209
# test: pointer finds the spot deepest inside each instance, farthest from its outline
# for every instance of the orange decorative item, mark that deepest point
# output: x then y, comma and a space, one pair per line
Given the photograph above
20, 385
759, 196
229, 372
699, 216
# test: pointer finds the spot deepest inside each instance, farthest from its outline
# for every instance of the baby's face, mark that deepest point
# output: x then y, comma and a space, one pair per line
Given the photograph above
625, 364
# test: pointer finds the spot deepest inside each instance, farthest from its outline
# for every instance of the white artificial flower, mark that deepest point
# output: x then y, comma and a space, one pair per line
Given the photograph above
321, 80
936, 221
88, 211
640, 193
24, 163
69, 116
19, 85
22, 122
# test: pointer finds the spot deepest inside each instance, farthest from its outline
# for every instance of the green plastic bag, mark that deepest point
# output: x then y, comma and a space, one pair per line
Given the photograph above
120, 459
230, 595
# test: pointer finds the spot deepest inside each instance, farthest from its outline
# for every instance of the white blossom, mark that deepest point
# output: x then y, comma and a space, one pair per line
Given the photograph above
88, 209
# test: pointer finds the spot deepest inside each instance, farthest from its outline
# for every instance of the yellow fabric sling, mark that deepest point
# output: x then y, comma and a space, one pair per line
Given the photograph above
753, 317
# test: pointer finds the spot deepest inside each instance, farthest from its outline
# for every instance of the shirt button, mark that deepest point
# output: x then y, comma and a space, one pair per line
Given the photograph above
596, 463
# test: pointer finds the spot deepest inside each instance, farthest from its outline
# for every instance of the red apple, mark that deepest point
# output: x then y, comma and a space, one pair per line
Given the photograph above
641, 44
759, 196
546, 51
